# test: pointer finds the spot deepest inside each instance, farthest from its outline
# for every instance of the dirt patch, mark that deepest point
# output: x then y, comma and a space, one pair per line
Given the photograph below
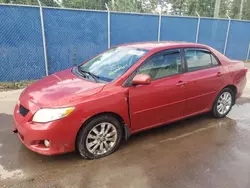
4, 86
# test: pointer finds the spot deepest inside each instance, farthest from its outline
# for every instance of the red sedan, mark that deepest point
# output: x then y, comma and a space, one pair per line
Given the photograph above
126, 89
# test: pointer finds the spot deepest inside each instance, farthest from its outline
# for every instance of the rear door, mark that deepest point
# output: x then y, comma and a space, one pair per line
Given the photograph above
204, 78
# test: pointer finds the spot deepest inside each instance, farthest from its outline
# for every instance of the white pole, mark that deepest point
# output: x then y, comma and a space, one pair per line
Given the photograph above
44, 40
113, 4
241, 9
228, 30
217, 8
248, 52
159, 26
108, 24
198, 27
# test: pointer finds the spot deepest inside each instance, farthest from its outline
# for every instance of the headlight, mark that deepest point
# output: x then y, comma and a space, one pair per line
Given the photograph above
51, 114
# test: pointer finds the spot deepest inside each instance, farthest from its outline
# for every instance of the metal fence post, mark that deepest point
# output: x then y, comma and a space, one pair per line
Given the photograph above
228, 30
248, 52
108, 24
159, 27
44, 39
198, 27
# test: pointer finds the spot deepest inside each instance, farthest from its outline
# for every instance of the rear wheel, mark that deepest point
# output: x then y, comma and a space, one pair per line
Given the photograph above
100, 137
223, 103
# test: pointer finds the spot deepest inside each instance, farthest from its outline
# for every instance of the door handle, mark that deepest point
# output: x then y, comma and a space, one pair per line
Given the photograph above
180, 83
219, 74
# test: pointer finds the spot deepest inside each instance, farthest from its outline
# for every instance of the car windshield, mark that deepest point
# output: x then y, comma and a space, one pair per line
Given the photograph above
111, 64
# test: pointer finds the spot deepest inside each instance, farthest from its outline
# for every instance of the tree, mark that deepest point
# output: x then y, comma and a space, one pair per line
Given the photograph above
234, 8
206, 8
224, 8
150, 5
85, 4
175, 7
31, 2
189, 7
178, 7
246, 10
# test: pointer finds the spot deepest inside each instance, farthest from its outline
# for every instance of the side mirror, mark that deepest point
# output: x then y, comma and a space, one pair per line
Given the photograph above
141, 79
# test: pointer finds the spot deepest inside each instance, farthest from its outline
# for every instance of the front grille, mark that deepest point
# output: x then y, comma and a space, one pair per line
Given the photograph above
23, 111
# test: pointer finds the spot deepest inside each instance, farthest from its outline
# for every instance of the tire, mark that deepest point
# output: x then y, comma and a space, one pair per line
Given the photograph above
217, 111
88, 136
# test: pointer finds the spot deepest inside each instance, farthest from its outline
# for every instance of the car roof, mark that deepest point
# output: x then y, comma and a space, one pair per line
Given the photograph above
157, 45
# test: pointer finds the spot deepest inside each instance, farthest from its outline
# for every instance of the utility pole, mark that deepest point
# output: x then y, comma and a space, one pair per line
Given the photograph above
241, 8
217, 8
113, 4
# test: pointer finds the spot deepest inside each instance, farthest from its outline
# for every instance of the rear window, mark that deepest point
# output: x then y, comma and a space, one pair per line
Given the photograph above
199, 59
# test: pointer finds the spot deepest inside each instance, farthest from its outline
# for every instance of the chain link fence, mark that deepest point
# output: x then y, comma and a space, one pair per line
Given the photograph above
21, 47
144, 28
71, 36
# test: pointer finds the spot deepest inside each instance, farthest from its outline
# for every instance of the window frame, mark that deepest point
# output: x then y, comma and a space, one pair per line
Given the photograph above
128, 82
216, 59
202, 50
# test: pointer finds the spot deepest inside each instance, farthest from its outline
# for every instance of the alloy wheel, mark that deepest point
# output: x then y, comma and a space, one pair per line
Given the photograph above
101, 138
224, 103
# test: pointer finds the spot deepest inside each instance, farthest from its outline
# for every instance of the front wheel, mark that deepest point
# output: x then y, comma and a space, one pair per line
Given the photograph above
223, 103
100, 137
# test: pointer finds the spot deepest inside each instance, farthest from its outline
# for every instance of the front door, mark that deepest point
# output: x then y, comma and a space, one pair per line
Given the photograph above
164, 99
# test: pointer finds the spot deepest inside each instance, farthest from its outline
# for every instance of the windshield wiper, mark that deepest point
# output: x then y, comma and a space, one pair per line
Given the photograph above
89, 73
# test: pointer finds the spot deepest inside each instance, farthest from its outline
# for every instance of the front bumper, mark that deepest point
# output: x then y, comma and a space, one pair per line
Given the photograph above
32, 134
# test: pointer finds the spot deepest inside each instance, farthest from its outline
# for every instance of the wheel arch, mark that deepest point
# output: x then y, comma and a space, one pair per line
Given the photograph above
230, 86
125, 129
234, 89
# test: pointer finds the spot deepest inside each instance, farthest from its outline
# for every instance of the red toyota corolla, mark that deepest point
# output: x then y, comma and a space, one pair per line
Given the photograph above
129, 88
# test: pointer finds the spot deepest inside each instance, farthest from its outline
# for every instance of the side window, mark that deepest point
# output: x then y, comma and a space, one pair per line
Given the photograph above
197, 59
162, 64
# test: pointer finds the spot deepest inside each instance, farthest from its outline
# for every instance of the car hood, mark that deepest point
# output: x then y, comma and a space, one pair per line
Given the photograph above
60, 89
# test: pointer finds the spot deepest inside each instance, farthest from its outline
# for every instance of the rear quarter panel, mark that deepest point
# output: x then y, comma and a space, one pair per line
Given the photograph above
239, 72
235, 71
235, 74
